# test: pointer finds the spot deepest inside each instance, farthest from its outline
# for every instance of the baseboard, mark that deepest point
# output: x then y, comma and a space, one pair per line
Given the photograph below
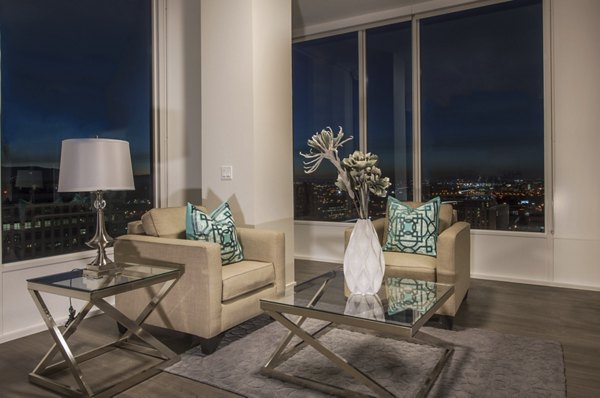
334, 260
535, 282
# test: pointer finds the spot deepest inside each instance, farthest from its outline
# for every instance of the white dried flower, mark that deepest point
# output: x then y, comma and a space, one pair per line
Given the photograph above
357, 173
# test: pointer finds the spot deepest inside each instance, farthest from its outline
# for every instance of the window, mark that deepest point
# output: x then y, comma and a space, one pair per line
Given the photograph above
70, 69
482, 114
389, 109
480, 106
325, 93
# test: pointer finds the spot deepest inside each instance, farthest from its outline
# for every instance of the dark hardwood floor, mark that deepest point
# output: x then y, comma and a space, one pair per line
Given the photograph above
569, 316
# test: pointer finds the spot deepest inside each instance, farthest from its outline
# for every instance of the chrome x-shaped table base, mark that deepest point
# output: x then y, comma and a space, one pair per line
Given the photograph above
280, 354
154, 347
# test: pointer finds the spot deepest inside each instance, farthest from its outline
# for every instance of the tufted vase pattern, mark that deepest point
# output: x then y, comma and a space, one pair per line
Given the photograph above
364, 264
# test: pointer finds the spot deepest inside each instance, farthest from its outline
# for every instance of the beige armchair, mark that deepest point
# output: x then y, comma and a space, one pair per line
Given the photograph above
209, 298
451, 265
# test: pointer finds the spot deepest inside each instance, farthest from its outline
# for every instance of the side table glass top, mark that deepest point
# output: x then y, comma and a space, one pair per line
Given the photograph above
401, 301
74, 280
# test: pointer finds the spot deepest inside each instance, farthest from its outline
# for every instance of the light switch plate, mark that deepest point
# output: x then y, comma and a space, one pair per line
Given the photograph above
226, 173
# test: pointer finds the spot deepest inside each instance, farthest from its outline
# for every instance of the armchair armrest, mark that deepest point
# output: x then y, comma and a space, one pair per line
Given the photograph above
379, 225
453, 251
201, 283
454, 263
268, 246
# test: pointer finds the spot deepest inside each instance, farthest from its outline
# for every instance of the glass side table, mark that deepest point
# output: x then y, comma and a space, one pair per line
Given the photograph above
94, 292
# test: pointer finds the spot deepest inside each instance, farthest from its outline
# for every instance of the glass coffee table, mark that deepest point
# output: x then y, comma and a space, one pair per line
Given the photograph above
402, 307
94, 292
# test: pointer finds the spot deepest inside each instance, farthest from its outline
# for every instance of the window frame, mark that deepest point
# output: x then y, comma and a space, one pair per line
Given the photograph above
416, 104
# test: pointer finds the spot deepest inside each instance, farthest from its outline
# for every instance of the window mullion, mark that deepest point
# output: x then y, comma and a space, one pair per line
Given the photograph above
362, 90
416, 105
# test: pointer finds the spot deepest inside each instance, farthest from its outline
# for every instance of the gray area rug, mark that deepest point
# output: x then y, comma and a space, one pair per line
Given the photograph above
484, 364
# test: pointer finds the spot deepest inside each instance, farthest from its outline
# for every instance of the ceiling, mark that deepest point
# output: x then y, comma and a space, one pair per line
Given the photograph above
314, 12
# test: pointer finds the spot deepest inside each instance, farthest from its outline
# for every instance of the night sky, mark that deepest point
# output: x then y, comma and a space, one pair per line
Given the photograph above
74, 69
481, 93
325, 93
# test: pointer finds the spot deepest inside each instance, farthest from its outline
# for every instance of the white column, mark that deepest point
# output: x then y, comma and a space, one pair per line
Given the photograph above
178, 102
246, 112
576, 62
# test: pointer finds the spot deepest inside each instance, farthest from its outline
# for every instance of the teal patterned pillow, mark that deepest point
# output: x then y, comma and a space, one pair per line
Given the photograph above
412, 230
217, 227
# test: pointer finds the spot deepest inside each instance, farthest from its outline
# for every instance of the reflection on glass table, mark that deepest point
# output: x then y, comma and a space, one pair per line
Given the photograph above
365, 306
404, 302
404, 294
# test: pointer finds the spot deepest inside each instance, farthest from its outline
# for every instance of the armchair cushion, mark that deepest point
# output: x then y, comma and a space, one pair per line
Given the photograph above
409, 265
246, 276
412, 230
218, 227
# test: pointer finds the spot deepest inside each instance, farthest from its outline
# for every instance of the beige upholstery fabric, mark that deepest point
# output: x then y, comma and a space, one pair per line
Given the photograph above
446, 214
452, 264
246, 276
406, 265
135, 228
168, 222
195, 304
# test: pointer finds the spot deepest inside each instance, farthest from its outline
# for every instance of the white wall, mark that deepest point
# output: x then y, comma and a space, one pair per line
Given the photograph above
320, 241
569, 257
20, 316
576, 66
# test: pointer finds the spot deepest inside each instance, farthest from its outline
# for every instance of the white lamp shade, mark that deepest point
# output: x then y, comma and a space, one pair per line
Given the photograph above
95, 164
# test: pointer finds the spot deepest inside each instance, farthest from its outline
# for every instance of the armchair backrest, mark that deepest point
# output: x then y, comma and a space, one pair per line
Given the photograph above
167, 222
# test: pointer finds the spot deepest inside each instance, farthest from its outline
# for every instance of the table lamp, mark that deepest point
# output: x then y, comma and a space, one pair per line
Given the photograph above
96, 165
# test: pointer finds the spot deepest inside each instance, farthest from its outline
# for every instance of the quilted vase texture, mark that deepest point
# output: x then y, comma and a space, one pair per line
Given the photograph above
364, 264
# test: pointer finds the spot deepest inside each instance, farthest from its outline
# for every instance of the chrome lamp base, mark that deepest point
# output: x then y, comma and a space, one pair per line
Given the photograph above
101, 265
93, 272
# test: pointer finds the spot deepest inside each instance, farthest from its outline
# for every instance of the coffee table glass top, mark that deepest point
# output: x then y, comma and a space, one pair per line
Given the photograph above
74, 280
400, 301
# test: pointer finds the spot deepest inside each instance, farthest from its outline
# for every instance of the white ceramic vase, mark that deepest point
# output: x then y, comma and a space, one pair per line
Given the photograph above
364, 264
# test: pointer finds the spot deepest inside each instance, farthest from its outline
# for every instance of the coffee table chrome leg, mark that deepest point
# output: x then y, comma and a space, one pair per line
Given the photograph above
432, 341
276, 357
435, 372
333, 357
